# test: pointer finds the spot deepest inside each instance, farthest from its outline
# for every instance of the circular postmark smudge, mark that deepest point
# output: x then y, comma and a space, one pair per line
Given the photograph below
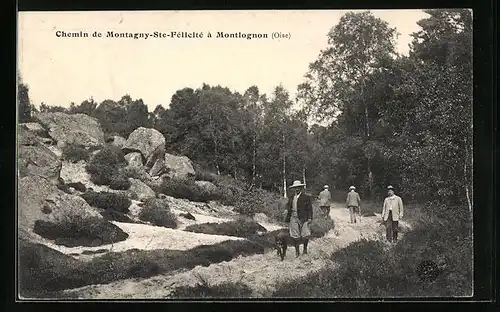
427, 270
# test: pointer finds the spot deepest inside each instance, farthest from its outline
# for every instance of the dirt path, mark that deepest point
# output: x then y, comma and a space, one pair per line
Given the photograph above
261, 272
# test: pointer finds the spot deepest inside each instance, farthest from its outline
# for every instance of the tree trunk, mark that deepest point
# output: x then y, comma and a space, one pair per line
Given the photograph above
284, 168
304, 175
254, 158
367, 125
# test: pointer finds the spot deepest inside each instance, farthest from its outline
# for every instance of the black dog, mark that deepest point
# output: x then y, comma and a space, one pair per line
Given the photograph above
282, 240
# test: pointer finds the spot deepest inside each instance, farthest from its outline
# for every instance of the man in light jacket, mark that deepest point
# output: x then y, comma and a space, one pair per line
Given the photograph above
391, 213
353, 202
325, 198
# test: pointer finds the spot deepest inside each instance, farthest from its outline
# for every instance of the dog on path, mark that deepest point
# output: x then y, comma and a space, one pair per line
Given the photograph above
281, 242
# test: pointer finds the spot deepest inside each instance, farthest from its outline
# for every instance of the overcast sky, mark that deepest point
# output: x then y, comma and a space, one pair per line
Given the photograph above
63, 70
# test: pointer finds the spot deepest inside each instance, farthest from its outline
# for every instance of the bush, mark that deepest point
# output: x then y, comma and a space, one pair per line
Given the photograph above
79, 186
42, 268
75, 153
158, 213
222, 290
321, 224
240, 228
441, 237
106, 200
185, 188
113, 215
204, 175
80, 232
127, 264
107, 163
119, 181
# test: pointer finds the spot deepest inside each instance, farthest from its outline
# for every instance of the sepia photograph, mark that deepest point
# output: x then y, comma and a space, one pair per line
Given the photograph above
244, 154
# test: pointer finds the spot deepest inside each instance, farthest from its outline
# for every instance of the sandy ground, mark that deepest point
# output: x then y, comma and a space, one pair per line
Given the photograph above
148, 237
260, 272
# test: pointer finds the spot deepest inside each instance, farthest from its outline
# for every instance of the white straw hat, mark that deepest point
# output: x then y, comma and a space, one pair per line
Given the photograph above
297, 183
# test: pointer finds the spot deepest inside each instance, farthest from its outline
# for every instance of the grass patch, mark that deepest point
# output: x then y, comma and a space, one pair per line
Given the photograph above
158, 213
186, 188
66, 272
75, 153
108, 201
441, 237
240, 228
80, 232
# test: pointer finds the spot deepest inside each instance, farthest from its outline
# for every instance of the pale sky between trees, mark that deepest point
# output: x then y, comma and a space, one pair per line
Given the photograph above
59, 71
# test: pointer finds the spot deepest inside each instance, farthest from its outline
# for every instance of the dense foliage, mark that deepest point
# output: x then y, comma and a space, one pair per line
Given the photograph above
367, 116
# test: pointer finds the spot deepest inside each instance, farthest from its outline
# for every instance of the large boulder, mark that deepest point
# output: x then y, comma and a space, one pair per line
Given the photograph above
36, 128
134, 160
71, 221
60, 207
40, 161
178, 166
76, 129
158, 168
142, 191
119, 141
31, 194
149, 142
27, 138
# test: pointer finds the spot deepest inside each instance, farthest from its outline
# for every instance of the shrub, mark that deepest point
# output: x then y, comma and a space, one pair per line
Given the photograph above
82, 232
321, 224
106, 200
106, 164
158, 213
441, 237
79, 186
222, 290
113, 215
42, 268
239, 228
185, 188
119, 181
128, 264
204, 175
75, 153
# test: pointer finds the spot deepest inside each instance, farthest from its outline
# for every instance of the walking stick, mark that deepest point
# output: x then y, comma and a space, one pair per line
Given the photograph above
359, 213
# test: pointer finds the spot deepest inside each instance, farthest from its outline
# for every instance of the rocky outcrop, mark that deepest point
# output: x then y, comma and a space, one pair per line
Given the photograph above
60, 207
27, 137
38, 160
142, 191
31, 194
76, 129
178, 166
134, 159
149, 142
158, 168
35, 128
119, 141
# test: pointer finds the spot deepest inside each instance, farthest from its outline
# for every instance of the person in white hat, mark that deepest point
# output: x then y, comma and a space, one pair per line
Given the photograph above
353, 203
299, 216
392, 211
325, 198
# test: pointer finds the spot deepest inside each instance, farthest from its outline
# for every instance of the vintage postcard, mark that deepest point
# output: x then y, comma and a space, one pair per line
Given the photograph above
244, 154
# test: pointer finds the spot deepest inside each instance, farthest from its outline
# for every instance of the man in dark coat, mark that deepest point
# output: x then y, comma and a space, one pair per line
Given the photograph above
299, 216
